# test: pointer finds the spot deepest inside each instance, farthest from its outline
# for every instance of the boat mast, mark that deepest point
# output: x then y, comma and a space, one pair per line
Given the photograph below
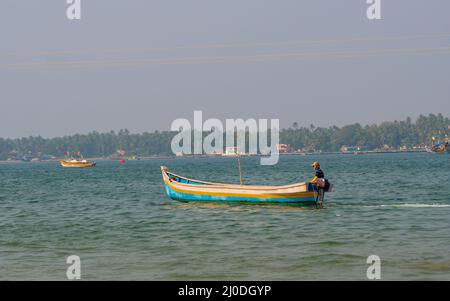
240, 169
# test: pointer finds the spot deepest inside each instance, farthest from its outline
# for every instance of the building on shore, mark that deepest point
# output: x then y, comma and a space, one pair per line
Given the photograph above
231, 151
353, 149
119, 154
284, 148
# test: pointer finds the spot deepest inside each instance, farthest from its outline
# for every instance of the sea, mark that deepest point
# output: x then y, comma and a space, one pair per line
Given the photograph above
117, 219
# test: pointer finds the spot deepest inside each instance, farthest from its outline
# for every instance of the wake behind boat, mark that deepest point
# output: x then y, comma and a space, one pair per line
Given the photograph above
185, 189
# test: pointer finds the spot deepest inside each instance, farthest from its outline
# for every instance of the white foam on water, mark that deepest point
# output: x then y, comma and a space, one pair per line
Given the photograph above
412, 206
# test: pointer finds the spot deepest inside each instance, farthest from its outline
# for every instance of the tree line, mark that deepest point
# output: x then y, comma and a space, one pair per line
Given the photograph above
392, 133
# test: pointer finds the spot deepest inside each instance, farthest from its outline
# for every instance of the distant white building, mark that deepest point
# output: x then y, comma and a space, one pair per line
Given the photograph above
231, 151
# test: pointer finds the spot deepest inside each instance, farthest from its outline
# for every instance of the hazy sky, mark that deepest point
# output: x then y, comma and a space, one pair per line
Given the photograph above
139, 64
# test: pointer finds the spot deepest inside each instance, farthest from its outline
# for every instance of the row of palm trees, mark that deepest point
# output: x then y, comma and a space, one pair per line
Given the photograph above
394, 134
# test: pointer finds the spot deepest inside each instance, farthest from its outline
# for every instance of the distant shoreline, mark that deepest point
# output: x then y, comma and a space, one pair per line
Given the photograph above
89, 159
218, 156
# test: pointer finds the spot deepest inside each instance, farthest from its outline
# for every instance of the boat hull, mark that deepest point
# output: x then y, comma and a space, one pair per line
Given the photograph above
76, 164
187, 190
443, 148
193, 197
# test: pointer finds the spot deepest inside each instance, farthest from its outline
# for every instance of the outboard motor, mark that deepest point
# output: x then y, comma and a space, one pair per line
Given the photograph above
322, 186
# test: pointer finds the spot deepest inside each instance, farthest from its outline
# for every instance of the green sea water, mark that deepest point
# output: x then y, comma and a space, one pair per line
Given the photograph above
117, 219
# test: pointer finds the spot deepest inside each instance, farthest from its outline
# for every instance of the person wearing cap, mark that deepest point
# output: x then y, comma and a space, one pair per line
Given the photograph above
319, 184
319, 173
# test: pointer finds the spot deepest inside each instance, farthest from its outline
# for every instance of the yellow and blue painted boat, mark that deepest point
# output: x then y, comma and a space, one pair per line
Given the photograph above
185, 189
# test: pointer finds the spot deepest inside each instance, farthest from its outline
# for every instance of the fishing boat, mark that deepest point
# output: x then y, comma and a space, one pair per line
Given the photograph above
76, 163
185, 189
440, 147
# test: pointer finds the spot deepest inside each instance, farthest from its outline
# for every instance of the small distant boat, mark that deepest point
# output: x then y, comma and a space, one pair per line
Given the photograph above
440, 147
76, 163
185, 189
122, 161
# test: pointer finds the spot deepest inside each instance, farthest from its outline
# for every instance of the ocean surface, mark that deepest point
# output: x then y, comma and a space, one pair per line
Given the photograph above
117, 219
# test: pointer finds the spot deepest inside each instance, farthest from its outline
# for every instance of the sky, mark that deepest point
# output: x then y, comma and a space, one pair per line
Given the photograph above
140, 64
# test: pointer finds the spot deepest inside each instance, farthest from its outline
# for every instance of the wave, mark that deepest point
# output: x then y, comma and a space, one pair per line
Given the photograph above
406, 205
